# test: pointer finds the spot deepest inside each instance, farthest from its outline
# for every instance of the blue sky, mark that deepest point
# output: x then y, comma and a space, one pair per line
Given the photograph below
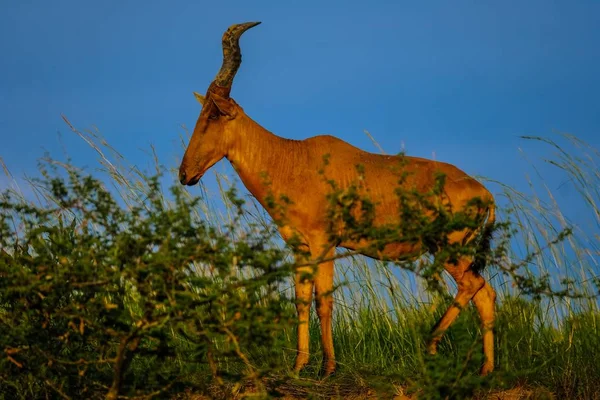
458, 81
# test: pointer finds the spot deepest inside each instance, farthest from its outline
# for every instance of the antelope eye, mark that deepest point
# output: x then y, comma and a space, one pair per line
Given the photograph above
213, 117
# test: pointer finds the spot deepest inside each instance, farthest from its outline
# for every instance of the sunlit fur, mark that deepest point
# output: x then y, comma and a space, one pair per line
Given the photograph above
271, 166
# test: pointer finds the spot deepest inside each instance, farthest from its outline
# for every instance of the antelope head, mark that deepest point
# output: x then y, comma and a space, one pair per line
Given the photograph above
216, 125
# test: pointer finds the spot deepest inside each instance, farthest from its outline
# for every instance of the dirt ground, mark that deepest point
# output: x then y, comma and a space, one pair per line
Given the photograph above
317, 390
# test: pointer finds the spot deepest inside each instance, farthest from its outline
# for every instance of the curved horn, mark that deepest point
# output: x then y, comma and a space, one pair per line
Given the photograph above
232, 55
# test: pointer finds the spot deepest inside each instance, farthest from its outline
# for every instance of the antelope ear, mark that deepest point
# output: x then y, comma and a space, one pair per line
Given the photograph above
201, 99
226, 106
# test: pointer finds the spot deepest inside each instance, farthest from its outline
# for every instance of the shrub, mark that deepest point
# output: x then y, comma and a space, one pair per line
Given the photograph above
99, 299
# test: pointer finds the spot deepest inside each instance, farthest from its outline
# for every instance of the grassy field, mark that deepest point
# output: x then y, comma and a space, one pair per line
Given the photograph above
547, 347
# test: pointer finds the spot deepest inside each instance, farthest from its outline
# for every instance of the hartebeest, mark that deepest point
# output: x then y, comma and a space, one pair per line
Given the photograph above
292, 168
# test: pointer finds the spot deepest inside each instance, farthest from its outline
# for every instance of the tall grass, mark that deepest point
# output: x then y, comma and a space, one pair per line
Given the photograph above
383, 313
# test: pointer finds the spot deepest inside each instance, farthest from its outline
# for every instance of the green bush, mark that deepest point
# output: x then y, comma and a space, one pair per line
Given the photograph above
98, 299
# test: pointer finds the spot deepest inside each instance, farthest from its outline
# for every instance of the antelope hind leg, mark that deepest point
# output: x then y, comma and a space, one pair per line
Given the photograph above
485, 300
469, 283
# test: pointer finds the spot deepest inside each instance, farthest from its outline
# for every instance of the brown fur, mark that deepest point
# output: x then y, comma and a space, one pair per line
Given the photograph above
291, 169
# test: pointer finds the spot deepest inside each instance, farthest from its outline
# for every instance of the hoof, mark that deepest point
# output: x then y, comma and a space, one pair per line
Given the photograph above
300, 364
327, 373
486, 369
328, 369
432, 348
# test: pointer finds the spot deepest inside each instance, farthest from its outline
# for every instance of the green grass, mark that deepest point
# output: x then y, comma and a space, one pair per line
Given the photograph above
383, 314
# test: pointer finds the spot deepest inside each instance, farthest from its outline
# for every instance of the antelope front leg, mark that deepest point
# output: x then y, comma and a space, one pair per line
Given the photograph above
304, 288
324, 300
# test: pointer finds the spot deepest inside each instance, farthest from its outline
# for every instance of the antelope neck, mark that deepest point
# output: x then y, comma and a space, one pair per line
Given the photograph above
262, 159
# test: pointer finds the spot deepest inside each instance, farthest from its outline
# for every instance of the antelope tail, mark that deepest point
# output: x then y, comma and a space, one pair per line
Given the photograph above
484, 245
